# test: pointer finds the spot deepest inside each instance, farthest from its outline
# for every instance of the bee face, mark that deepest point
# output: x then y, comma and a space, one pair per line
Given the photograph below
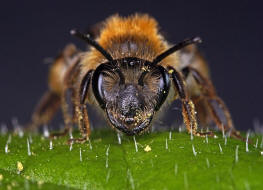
130, 93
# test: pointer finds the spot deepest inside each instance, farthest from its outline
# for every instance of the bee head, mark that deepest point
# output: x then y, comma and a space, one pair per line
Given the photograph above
130, 91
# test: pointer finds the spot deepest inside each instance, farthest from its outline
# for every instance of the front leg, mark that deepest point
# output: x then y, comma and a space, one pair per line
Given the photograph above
81, 109
188, 108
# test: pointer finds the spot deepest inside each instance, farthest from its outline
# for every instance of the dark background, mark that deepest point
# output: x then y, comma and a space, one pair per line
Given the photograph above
232, 43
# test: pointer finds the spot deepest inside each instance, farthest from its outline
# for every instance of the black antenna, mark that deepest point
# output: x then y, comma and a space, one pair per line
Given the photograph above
92, 42
176, 47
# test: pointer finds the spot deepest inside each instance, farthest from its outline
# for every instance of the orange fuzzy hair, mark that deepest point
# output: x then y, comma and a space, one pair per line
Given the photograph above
138, 26
140, 29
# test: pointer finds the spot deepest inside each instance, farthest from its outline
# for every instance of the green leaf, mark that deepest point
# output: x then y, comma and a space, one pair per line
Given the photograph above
105, 164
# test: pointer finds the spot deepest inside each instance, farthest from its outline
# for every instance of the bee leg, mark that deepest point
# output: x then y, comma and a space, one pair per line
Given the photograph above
45, 110
81, 109
67, 100
203, 113
214, 104
66, 106
83, 123
188, 107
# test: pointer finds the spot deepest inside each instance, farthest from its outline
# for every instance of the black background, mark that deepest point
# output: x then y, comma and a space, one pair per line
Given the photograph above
232, 43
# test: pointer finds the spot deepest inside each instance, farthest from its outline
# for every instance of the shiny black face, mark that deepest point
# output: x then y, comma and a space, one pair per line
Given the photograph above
130, 91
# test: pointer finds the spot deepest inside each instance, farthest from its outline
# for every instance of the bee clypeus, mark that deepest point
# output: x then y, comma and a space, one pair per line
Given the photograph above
130, 72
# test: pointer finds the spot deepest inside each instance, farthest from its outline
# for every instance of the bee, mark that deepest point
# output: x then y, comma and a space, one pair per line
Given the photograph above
130, 72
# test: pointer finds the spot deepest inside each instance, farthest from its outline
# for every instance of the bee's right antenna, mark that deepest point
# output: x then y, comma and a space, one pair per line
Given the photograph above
176, 47
92, 42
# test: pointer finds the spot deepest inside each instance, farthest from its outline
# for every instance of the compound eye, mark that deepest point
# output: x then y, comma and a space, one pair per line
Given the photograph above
97, 85
106, 79
100, 84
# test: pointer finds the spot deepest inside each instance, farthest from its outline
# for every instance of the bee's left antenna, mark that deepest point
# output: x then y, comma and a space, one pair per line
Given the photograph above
92, 42
175, 48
